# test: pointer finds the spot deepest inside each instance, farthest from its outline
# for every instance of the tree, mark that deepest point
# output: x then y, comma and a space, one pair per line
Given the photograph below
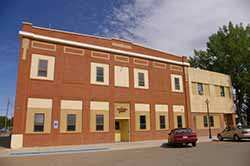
228, 52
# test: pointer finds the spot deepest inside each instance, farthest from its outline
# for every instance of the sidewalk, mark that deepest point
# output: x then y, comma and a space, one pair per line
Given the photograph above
4, 152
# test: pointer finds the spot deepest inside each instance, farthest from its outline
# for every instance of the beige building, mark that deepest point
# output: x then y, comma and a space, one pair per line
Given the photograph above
210, 91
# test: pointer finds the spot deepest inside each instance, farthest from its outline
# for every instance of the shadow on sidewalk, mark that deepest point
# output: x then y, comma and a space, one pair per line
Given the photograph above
5, 141
167, 145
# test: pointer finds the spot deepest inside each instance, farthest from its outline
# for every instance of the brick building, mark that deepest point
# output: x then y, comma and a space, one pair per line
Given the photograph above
81, 89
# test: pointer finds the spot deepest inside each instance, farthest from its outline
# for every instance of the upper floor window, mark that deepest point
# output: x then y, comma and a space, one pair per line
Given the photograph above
99, 73
200, 88
176, 82
42, 67
141, 79
222, 91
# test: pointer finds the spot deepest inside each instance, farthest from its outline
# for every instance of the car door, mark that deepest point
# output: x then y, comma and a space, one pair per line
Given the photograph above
226, 133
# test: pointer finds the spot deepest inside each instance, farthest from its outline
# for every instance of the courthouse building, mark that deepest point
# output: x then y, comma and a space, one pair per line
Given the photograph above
81, 89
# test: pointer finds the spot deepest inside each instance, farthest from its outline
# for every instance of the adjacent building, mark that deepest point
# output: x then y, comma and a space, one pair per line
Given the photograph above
80, 89
210, 93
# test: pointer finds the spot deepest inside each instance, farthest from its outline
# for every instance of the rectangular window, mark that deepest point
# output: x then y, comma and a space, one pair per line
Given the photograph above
179, 121
162, 122
143, 122
42, 68
71, 122
211, 121
141, 79
99, 74
222, 91
39, 122
205, 122
177, 83
99, 122
200, 88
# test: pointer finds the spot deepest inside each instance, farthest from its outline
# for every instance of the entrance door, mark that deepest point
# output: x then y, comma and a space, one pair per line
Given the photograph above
121, 130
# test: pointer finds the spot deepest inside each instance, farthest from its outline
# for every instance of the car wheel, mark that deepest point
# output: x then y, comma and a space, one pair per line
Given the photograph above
193, 144
220, 138
236, 138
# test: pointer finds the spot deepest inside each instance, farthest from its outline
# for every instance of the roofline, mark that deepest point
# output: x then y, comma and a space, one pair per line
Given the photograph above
100, 37
100, 48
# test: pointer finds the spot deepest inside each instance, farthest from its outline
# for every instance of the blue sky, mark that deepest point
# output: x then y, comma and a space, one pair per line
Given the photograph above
174, 26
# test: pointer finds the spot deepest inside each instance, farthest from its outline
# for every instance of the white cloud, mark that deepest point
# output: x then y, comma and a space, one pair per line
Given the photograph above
174, 26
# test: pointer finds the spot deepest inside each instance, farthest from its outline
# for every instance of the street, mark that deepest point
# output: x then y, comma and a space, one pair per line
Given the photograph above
205, 154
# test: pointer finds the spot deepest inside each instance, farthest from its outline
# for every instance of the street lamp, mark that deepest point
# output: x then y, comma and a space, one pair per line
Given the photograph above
208, 119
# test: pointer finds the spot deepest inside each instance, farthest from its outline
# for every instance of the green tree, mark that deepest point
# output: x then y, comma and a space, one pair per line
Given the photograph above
228, 51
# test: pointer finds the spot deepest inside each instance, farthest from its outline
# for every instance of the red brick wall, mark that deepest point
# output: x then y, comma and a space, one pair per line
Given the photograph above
72, 81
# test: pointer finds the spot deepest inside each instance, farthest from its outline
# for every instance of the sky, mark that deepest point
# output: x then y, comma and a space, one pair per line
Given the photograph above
174, 26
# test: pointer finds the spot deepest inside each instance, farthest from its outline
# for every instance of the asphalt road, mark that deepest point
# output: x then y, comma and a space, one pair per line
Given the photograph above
205, 154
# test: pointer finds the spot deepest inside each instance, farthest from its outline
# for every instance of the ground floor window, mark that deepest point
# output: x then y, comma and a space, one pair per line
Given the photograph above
162, 122
211, 121
39, 122
71, 122
99, 122
179, 121
142, 122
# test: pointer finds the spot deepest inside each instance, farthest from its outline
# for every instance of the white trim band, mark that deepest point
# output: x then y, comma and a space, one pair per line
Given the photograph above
73, 43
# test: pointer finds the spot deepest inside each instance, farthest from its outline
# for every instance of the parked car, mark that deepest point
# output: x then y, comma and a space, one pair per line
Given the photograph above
180, 136
234, 133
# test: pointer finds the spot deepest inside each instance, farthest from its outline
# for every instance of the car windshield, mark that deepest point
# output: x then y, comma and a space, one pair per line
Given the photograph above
183, 131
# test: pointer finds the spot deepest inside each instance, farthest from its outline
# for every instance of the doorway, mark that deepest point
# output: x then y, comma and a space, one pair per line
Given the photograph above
121, 130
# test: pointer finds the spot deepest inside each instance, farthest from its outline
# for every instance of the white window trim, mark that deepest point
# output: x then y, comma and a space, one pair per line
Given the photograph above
173, 76
34, 67
93, 73
136, 78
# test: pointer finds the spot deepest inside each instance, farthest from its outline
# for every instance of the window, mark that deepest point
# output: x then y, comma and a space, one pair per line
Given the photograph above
142, 122
162, 122
222, 91
205, 122
71, 122
177, 83
211, 121
42, 68
99, 74
141, 79
99, 122
39, 122
117, 125
200, 88
179, 121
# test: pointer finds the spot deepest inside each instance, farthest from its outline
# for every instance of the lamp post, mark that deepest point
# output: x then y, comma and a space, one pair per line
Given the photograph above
208, 119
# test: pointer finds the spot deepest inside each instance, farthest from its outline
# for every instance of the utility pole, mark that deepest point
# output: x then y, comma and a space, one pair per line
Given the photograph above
7, 111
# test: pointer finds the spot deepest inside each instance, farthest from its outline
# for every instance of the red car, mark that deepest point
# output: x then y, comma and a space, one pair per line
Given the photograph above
182, 136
